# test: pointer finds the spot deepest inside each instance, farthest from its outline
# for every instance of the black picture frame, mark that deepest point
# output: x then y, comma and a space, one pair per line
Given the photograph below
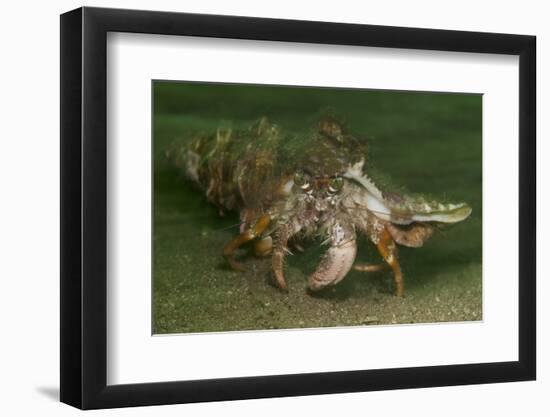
84, 207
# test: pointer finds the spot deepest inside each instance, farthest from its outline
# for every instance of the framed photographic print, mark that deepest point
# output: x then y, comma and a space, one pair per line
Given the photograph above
258, 208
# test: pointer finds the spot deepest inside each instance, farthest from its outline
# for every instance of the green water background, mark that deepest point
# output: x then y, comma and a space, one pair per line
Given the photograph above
423, 142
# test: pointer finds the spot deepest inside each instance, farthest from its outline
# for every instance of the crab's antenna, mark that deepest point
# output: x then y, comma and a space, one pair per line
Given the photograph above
231, 226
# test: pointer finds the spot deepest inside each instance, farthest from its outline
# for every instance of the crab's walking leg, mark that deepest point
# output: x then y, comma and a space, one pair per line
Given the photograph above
242, 238
280, 249
278, 258
369, 267
263, 247
388, 249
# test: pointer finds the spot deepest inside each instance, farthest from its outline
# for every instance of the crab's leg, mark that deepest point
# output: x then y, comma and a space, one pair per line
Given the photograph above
277, 260
280, 249
388, 249
242, 238
369, 267
263, 247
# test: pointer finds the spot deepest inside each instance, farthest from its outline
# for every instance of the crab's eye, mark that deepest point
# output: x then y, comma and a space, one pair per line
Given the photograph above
336, 184
300, 179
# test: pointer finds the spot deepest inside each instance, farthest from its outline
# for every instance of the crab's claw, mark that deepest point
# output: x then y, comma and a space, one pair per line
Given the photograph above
402, 209
337, 261
444, 213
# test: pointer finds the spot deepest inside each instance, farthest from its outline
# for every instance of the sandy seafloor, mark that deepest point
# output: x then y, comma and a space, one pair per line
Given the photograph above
427, 143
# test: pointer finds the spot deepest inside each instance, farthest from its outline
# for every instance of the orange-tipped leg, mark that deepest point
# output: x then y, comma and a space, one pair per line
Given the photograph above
241, 239
263, 247
388, 249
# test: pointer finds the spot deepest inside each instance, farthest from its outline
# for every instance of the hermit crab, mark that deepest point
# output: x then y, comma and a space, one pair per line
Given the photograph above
292, 187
